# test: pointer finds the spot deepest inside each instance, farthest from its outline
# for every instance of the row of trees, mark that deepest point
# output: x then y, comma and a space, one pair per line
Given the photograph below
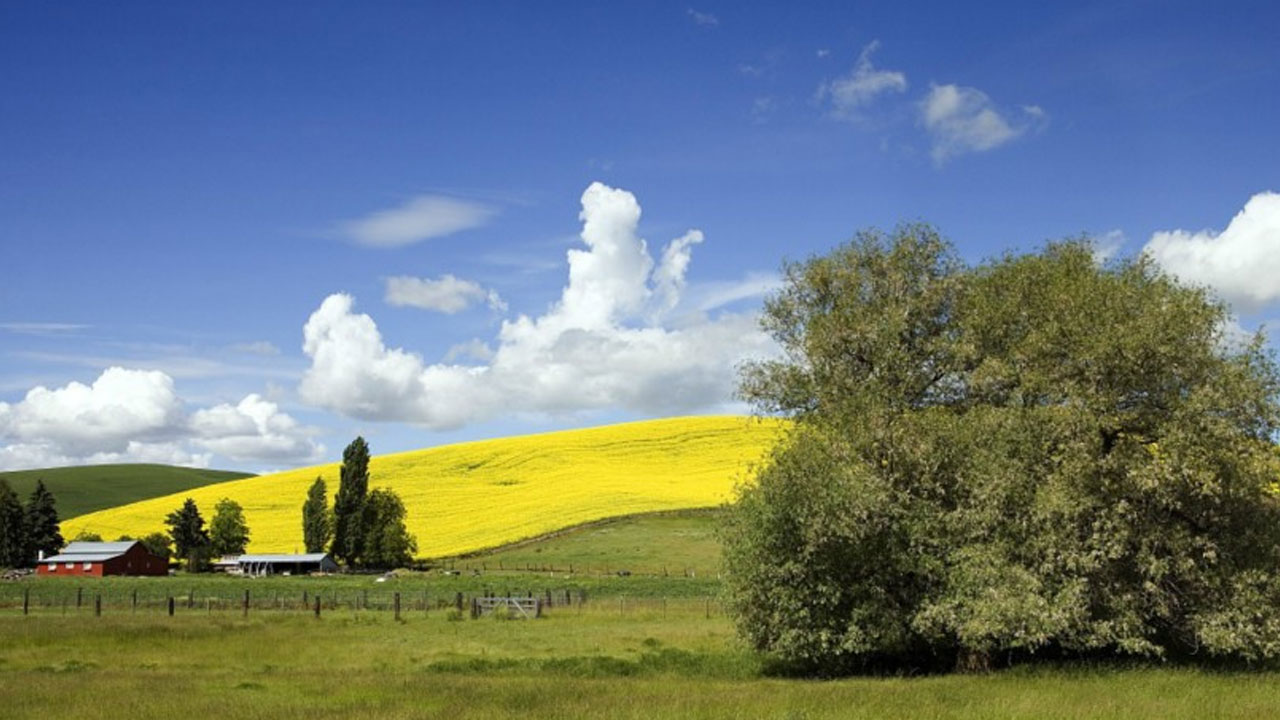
364, 528
227, 534
1036, 455
26, 531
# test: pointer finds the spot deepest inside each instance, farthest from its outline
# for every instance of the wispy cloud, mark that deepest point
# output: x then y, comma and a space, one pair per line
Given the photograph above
41, 328
862, 85
964, 120
702, 18
448, 294
421, 218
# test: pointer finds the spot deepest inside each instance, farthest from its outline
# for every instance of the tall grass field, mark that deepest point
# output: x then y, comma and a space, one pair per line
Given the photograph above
599, 661
471, 496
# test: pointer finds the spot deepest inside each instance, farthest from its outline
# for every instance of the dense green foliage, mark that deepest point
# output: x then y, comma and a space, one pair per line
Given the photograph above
228, 531
387, 544
317, 519
84, 489
348, 505
1035, 455
190, 538
158, 544
42, 528
13, 533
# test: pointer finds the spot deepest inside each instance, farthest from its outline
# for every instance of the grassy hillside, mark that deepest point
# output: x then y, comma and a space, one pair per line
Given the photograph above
80, 490
678, 543
467, 497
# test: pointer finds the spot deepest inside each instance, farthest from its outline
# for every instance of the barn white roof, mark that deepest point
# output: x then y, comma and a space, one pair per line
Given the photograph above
90, 552
305, 558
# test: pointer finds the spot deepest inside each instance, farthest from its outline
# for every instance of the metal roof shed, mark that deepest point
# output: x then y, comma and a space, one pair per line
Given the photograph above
286, 564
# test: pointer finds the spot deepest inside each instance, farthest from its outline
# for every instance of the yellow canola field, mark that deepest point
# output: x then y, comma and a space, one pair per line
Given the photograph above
471, 496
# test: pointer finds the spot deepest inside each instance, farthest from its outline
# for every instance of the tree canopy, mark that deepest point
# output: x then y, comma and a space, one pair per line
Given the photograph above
1037, 454
190, 538
228, 530
388, 543
13, 533
42, 527
317, 519
348, 505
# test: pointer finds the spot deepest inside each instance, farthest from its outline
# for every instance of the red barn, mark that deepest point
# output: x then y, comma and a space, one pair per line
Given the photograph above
95, 559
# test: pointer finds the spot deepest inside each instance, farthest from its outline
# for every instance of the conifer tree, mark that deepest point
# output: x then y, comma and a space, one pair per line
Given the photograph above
43, 532
317, 523
348, 505
190, 539
13, 537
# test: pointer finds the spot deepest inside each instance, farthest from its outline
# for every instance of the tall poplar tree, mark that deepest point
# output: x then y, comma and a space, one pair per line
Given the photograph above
348, 505
317, 523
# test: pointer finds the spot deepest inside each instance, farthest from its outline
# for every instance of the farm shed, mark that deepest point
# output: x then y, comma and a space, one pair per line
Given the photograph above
95, 559
286, 564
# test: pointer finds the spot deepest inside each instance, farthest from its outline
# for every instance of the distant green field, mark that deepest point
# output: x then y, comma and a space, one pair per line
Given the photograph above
675, 543
80, 490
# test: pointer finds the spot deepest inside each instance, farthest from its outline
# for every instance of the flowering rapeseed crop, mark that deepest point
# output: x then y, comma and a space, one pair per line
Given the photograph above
477, 495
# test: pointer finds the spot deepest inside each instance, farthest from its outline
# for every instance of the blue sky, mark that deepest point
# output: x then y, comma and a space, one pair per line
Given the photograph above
185, 187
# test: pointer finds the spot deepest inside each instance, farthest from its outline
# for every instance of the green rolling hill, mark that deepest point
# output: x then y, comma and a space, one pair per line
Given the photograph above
80, 490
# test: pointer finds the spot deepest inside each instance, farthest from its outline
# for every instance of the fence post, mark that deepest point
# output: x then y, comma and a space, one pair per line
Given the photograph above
97, 605
537, 608
317, 607
246, 603
305, 599
397, 600
26, 600
79, 597
191, 598
170, 606
458, 601
133, 607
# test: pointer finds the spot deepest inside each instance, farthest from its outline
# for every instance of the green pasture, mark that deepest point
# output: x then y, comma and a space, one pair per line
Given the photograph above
675, 543
80, 490
653, 660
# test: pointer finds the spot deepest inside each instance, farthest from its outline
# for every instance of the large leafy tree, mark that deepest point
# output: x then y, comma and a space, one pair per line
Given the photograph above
228, 530
1035, 455
13, 533
190, 538
387, 543
42, 527
317, 520
348, 505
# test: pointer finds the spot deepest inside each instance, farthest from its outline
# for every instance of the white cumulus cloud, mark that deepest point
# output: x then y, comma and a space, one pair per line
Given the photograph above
447, 294
855, 90
964, 120
421, 218
1241, 263
130, 415
605, 344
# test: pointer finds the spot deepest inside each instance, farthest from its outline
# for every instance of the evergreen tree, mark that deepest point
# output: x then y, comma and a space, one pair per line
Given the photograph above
228, 531
190, 539
43, 533
13, 535
348, 506
317, 524
387, 543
